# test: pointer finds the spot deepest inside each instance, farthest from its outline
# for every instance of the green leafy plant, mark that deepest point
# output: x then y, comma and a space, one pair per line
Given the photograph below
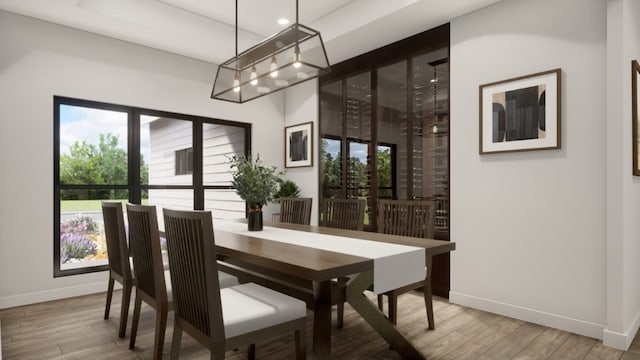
287, 189
255, 182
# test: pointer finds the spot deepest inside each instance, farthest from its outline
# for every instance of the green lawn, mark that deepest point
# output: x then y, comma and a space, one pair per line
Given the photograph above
87, 205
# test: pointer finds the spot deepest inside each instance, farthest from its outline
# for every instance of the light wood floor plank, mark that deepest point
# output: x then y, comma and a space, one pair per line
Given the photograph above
74, 329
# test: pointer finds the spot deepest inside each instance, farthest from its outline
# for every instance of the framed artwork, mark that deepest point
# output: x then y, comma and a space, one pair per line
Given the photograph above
635, 69
298, 147
521, 114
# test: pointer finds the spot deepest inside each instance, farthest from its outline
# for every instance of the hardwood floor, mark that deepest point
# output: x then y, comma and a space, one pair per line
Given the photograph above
75, 329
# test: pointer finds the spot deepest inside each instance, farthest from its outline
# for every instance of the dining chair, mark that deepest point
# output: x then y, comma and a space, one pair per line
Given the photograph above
153, 281
118, 255
342, 214
413, 218
295, 210
221, 319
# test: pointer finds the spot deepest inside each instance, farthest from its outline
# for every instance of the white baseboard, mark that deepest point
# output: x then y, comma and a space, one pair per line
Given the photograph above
618, 340
53, 294
564, 323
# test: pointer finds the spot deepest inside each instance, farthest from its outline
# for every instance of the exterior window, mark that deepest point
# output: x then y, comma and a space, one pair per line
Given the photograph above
120, 153
184, 161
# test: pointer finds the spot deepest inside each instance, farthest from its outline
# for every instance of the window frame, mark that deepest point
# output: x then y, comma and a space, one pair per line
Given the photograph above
133, 186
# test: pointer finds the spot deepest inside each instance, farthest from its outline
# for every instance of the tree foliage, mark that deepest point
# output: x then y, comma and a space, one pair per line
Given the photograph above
331, 169
102, 164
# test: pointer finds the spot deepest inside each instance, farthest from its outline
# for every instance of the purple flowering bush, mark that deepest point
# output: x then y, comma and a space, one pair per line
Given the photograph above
79, 239
84, 224
76, 246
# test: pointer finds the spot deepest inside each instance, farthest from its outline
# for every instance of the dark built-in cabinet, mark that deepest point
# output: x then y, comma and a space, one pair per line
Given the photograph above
384, 130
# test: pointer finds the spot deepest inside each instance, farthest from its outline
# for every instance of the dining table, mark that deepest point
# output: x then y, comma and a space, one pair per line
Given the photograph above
303, 261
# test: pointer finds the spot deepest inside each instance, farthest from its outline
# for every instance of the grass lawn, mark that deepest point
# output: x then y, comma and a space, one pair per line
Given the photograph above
87, 205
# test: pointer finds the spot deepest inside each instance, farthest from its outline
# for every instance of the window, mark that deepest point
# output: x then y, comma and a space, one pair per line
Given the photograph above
144, 157
184, 161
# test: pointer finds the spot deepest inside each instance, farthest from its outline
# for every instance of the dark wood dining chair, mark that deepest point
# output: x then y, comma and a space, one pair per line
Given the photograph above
415, 219
221, 319
153, 282
342, 214
295, 210
118, 255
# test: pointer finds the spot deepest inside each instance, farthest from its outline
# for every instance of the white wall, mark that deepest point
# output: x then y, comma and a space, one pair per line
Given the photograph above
301, 106
531, 227
39, 60
623, 189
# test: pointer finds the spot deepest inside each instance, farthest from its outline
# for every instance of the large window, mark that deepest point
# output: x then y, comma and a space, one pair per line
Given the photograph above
120, 153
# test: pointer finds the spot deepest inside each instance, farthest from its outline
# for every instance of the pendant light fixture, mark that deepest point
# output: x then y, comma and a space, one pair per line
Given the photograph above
291, 56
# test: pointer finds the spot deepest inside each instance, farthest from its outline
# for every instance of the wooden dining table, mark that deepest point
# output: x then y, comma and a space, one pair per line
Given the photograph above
294, 259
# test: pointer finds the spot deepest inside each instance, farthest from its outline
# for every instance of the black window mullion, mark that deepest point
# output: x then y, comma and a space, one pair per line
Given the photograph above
198, 190
135, 193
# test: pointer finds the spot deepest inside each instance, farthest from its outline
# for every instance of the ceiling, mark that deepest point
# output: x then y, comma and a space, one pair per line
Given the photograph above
204, 29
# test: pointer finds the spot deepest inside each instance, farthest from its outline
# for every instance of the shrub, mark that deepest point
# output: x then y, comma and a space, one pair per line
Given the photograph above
76, 246
83, 224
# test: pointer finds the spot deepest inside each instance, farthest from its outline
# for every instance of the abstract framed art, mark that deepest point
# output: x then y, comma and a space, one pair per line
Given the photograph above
521, 114
298, 148
635, 69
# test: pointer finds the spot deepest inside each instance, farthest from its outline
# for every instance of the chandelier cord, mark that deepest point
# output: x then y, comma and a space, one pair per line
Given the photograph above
237, 28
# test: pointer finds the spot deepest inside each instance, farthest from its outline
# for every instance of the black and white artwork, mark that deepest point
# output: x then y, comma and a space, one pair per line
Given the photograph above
298, 145
521, 114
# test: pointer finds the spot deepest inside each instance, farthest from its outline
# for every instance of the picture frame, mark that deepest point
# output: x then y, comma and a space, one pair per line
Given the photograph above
298, 147
635, 69
521, 114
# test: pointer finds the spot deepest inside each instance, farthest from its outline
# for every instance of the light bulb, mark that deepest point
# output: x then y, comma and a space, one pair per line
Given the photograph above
253, 76
236, 84
273, 68
296, 58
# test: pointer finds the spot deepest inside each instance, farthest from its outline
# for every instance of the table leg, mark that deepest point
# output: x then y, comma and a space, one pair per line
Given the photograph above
377, 320
322, 320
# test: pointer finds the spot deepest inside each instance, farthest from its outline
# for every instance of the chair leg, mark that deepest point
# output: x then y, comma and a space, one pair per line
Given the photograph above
381, 302
124, 310
428, 295
161, 326
301, 351
134, 322
109, 296
252, 352
175, 343
340, 314
393, 308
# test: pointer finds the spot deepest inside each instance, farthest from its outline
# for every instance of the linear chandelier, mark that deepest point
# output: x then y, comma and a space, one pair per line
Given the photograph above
287, 58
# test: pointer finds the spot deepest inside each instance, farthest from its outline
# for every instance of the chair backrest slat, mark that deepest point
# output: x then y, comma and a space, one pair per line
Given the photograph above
194, 273
144, 241
406, 218
295, 210
116, 238
343, 213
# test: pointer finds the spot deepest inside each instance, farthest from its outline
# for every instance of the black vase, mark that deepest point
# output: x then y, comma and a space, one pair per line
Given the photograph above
255, 219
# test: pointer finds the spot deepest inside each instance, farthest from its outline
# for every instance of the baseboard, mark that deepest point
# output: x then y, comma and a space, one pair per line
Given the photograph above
53, 294
621, 341
555, 321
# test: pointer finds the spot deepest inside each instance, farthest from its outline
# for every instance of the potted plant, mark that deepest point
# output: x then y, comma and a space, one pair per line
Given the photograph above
287, 189
256, 183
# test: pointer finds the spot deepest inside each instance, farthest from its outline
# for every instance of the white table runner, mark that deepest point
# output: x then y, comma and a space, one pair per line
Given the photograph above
394, 265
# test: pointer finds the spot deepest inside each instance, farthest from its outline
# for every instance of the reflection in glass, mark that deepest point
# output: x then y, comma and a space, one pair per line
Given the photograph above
392, 121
